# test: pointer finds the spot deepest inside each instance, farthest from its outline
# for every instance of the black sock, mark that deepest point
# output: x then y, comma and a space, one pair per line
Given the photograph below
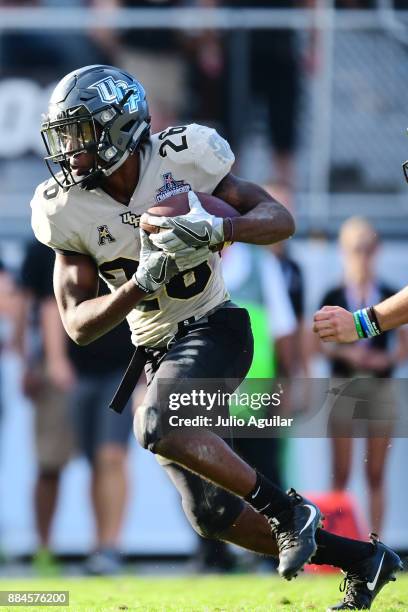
340, 552
267, 498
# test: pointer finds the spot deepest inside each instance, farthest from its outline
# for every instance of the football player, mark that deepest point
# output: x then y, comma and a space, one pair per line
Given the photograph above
170, 289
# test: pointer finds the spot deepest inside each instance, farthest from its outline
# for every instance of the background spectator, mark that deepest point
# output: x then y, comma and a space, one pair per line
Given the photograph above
8, 303
274, 82
47, 379
292, 349
155, 58
49, 59
103, 437
71, 386
375, 357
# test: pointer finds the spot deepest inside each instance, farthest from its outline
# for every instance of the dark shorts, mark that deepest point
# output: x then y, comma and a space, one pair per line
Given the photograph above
95, 425
220, 348
275, 77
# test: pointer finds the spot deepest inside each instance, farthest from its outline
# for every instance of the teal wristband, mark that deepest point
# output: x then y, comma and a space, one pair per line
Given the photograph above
357, 323
370, 329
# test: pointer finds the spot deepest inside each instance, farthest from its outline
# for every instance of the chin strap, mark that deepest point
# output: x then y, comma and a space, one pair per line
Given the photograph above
135, 139
119, 163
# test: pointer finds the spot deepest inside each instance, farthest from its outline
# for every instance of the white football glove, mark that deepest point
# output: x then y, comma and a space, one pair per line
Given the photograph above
156, 267
195, 229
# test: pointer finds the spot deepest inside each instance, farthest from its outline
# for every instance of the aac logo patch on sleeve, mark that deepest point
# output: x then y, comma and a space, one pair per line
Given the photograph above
104, 235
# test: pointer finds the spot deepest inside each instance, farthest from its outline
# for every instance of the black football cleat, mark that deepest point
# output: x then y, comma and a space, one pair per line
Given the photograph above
294, 531
364, 580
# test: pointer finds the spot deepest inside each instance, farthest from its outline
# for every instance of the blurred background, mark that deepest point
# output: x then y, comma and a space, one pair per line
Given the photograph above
312, 96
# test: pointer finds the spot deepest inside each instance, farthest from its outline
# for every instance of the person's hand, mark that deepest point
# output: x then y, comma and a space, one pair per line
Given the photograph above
61, 374
335, 324
156, 267
197, 228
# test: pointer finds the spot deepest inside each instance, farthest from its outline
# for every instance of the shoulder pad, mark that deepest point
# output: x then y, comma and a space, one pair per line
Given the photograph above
205, 148
49, 217
50, 197
211, 151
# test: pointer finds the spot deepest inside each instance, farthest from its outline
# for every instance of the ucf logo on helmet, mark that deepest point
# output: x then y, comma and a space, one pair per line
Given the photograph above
110, 91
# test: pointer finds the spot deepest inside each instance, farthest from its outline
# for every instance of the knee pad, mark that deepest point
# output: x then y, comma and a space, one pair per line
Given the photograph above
209, 509
146, 426
202, 522
211, 513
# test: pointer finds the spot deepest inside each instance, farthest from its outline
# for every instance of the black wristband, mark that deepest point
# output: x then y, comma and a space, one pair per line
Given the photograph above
373, 319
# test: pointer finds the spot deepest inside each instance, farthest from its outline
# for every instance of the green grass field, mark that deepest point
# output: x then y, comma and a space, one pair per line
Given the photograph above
244, 593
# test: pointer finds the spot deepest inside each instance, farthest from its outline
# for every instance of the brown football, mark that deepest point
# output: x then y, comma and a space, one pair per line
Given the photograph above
178, 205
